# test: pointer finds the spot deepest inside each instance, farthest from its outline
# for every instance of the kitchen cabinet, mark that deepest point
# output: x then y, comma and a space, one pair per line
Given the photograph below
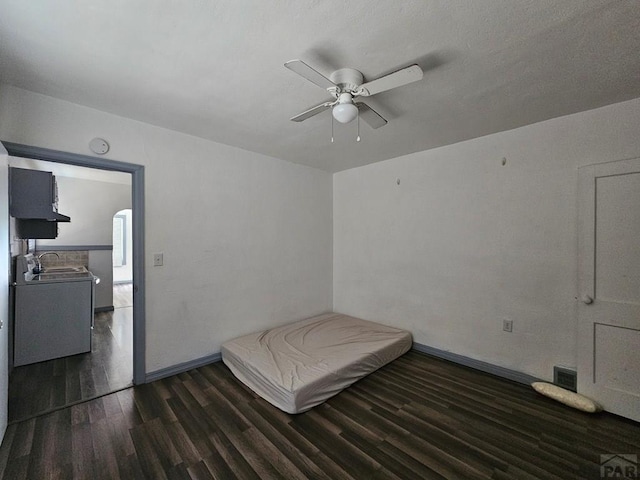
33, 201
29, 228
52, 319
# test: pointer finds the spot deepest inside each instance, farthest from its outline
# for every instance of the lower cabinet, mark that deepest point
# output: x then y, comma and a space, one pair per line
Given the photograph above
52, 320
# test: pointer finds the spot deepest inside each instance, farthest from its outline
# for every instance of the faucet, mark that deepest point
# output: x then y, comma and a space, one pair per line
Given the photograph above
39, 260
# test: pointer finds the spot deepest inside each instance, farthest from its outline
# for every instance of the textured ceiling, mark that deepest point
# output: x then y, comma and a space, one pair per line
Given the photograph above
214, 69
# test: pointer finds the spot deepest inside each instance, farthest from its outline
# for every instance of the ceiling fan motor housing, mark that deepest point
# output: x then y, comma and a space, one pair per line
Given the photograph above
347, 79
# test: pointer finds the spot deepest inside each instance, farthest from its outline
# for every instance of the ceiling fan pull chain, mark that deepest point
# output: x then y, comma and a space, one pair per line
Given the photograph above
358, 121
331, 128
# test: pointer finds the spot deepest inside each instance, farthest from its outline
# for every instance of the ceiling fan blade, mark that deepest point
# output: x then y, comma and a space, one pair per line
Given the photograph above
393, 80
312, 111
369, 115
304, 70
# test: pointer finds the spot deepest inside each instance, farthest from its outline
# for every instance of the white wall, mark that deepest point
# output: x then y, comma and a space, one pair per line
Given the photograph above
464, 242
460, 244
91, 206
247, 239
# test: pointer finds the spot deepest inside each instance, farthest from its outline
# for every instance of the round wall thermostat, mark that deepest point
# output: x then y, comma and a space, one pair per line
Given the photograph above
99, 146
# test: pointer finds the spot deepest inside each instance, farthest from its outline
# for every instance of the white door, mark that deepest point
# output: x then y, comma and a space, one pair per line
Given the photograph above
4, 288
609, 286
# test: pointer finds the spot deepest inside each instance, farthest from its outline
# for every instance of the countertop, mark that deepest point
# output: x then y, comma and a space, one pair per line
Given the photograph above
70, 273
60, 277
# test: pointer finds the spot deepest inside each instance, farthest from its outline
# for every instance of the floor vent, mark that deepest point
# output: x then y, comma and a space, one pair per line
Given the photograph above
565, 377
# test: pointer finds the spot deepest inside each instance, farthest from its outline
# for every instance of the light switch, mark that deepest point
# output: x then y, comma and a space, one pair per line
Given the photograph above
158, 259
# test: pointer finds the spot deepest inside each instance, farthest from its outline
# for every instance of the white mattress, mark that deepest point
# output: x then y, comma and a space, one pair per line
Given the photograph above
298, 366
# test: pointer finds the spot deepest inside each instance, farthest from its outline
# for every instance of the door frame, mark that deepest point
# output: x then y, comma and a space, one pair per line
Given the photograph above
5, 276
137, 205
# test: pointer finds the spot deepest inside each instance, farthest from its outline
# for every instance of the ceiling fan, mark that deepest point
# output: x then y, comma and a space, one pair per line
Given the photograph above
346, 85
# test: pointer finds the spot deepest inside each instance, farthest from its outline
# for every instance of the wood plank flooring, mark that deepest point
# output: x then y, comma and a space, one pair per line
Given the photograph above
417, 418
44, 386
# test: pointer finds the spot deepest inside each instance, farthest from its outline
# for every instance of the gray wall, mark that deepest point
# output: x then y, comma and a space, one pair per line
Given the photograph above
464, 242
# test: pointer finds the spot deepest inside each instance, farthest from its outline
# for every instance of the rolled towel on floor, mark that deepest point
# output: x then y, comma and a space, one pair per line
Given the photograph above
567, 397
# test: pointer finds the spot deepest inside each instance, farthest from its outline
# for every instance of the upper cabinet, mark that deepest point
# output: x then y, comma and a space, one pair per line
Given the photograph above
33, 201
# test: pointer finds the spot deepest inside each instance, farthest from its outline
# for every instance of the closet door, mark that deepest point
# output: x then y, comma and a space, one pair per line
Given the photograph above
609, 286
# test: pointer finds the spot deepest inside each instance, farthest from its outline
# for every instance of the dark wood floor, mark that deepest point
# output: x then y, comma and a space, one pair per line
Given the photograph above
417, 418
43, 386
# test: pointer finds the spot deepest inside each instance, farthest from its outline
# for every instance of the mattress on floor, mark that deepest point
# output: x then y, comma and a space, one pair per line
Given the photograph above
298, 366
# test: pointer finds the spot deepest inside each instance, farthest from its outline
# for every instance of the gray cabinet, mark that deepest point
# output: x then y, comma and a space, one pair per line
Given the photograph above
52, 320
33, 201
33, 228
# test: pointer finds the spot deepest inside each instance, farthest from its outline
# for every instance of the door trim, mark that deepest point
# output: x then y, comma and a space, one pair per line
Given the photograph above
137, 205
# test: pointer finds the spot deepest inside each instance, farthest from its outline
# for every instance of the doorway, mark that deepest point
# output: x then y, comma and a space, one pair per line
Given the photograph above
135, 312
122, 258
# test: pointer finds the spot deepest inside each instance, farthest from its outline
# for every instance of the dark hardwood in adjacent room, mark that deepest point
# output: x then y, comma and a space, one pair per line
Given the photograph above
49, 385
417, 418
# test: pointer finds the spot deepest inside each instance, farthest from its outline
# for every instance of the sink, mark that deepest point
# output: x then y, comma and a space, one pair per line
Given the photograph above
59, 270
48, 276
59, 274
66, 272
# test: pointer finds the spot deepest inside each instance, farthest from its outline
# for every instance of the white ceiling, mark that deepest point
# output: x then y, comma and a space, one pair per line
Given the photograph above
214, 69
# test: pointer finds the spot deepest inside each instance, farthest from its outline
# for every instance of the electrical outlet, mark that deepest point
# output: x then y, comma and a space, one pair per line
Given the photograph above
507, 325
158, 259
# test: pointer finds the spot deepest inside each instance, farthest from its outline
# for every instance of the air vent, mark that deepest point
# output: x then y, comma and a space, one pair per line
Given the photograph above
565, 377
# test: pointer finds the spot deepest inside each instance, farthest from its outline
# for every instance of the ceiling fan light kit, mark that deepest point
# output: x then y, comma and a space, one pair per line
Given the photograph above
345, 111
346, 84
